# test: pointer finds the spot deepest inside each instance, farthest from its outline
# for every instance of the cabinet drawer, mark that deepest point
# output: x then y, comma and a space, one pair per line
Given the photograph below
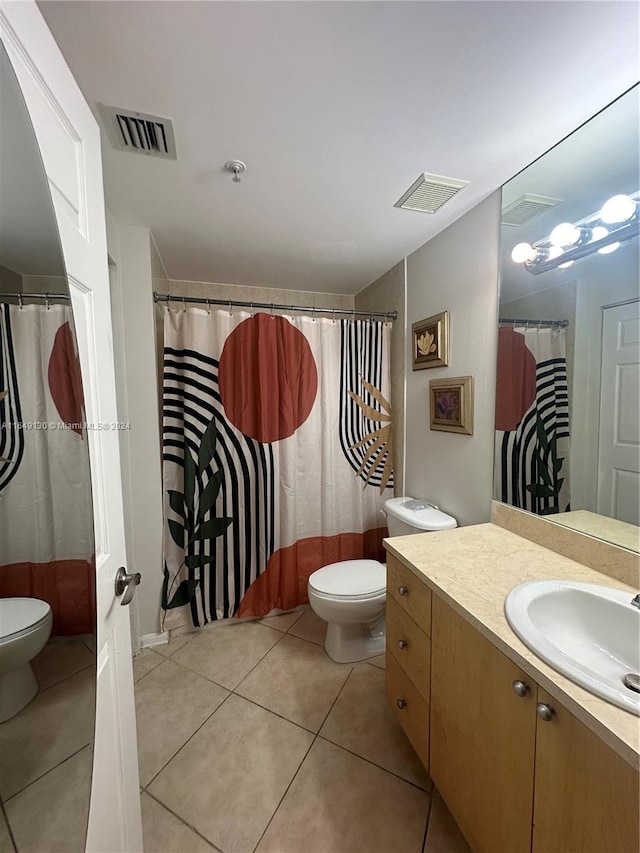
414, 715
411, 594
410, 647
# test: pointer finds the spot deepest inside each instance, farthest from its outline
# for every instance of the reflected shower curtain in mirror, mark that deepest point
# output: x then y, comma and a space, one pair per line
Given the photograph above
531, 468
46, 522
288, 436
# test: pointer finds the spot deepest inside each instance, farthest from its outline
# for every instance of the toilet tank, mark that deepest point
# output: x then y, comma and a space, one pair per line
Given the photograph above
407, 515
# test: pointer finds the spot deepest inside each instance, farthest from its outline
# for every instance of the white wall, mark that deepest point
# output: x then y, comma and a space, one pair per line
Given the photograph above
134, 346
456, 271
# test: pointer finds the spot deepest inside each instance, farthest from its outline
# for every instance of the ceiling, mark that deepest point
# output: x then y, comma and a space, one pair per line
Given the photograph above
29, 242
596, 162
336, 108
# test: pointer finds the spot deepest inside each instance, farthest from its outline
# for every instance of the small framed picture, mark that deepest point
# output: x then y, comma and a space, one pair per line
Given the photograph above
431, 342
451, 404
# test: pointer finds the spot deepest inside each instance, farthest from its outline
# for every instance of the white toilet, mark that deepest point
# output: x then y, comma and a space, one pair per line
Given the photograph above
25, 627
351, 595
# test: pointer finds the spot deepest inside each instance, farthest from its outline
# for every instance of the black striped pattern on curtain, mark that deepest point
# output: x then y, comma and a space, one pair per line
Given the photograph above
11, 436
361, 357
191, 399
517, 448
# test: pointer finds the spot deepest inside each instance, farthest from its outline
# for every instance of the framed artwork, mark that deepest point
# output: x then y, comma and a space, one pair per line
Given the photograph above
451, 404
431, 342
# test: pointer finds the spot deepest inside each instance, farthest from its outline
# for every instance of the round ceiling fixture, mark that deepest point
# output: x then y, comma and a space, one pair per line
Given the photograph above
237, 167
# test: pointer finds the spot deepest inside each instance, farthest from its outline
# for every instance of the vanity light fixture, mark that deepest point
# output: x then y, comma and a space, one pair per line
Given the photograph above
603, 231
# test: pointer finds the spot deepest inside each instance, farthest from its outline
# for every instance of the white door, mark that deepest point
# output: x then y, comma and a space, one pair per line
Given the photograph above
69, 141
619, 443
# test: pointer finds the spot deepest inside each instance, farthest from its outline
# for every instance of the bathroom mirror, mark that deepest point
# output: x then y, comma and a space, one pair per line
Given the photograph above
567, 441
47, 587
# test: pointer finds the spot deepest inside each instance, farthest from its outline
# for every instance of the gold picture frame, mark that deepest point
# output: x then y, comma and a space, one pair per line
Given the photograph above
431, 342
451, 404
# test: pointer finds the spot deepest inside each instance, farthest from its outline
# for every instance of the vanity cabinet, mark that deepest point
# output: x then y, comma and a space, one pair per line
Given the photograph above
513, 780
408, 659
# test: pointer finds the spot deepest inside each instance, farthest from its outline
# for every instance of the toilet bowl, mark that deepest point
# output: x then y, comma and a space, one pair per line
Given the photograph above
25, 627
351, 595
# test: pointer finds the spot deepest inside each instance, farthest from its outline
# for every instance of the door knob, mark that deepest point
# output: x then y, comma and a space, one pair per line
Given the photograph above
126, 584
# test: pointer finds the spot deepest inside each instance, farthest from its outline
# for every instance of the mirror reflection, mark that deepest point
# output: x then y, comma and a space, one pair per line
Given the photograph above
567, 440
47, 588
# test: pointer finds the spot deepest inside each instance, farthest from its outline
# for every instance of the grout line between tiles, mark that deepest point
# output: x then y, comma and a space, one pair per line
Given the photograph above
182, 821
46, 772
65, 678
9, 830
426, 829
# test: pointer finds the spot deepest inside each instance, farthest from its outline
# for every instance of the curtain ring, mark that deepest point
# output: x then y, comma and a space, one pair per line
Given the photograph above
371, 318
272, 309
313, 314
209, 307
353, 316
184, 303
20, 301
46, 301
333, 315
230, 309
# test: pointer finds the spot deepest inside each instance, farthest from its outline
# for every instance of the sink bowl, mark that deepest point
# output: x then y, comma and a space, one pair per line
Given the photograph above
589, 633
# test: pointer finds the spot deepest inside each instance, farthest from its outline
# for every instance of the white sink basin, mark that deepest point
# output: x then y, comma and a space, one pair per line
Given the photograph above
587, 632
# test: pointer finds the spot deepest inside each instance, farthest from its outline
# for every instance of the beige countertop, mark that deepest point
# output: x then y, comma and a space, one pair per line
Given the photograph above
473, 569
610, 529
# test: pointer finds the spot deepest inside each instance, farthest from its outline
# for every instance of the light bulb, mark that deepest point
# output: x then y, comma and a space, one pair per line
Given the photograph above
564, 234
523, 253
598, 233
606, 250
554, 252
618, 208
565, 265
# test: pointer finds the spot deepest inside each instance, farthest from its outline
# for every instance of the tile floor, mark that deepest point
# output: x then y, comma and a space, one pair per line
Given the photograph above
251, 739
46, 755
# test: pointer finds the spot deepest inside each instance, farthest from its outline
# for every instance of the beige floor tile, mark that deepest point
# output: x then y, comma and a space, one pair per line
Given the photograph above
282, 622
145, 662
162, 832
380, 661
56, 724
339, 803
296, 680
443, 835
60, 659
362, 722
171, 703
228, 780
309, 627
167, 650
51, 814
6, 844
226, 653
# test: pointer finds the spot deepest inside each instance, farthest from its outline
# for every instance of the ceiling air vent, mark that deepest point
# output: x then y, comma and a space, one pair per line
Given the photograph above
139, 132
430, 192
527, 207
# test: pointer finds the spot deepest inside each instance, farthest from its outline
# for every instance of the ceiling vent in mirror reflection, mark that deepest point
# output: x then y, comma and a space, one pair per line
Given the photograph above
430, 192
527, 207
140, 133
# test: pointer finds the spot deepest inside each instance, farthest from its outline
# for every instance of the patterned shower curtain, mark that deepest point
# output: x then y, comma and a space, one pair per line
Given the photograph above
46, 521
532, 420
277, 454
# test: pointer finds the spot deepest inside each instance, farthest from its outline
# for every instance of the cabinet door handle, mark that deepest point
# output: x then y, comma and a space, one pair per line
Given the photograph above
544, 711
401, 703
403, 644
520, 687
403, 590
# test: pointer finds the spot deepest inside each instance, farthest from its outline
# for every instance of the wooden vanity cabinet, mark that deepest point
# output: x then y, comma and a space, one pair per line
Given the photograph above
407, 680
482, 736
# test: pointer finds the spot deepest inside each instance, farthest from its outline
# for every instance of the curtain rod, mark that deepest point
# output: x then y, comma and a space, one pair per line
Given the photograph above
46, 296
546, 323
167, 297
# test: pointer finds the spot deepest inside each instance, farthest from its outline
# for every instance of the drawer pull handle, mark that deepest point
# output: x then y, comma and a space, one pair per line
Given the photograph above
403, 644
544, 711
401, 703
403, 590
520, 688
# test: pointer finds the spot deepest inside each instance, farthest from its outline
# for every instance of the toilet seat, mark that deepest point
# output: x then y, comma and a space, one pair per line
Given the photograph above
20, 616
350, 580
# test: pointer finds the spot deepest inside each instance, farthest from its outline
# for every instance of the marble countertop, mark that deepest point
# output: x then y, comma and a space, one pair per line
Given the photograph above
473, 569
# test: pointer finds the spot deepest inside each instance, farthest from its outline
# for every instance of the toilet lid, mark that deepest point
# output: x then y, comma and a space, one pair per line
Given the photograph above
350, 579
21, 614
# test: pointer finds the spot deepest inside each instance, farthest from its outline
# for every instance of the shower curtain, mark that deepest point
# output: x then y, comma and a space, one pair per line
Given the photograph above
277, 454
532, 420
46, 523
